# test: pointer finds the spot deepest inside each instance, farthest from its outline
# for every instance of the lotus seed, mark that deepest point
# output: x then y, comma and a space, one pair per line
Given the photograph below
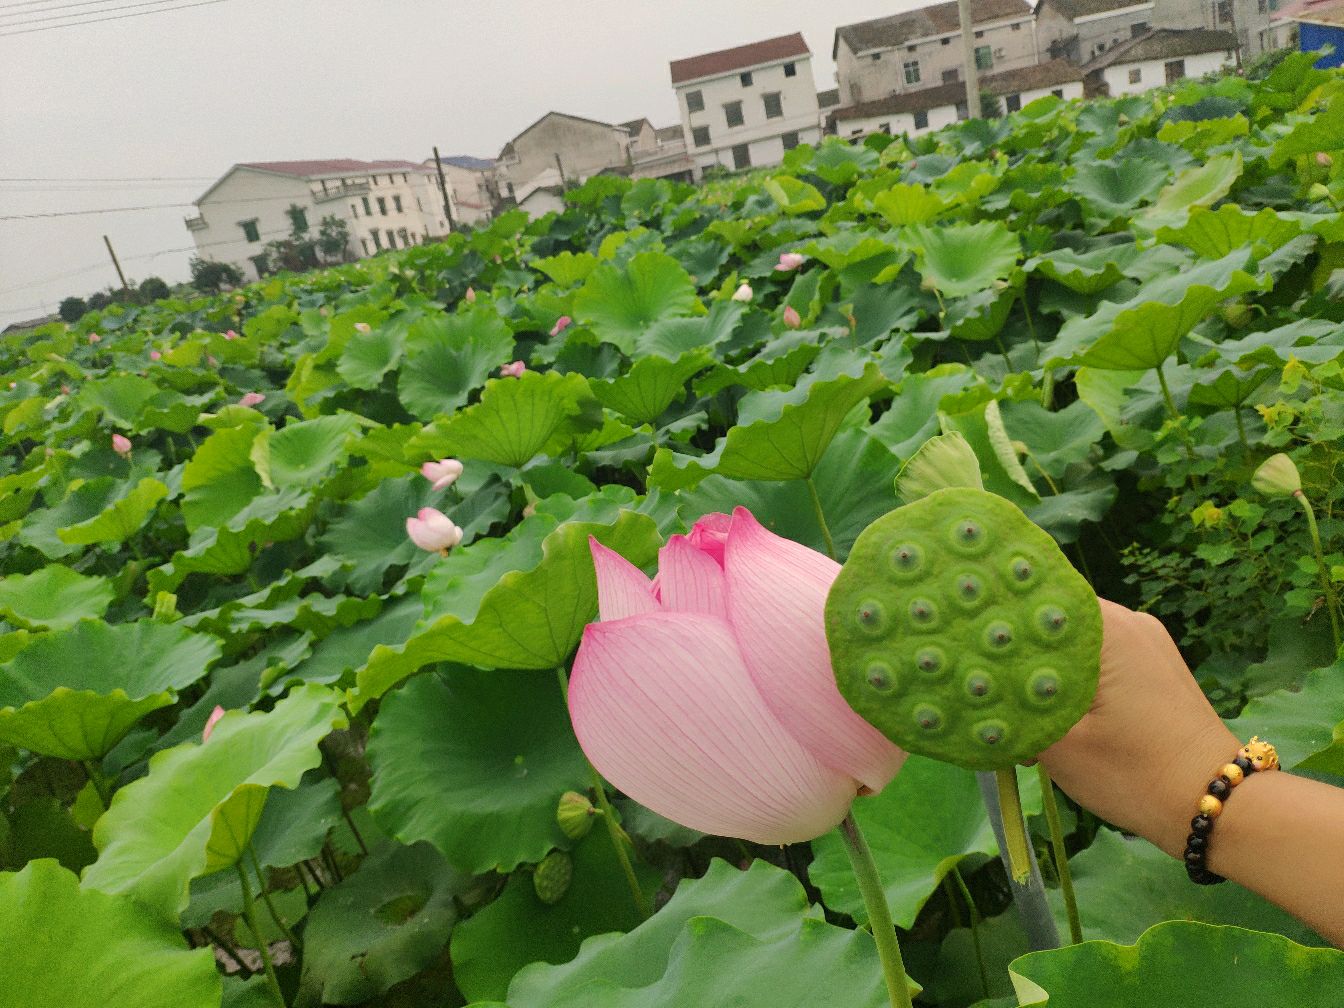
998, 635
968, 537
906, 559
1043, 686
880, 677
991, 733
978, 687
923, 612
871, 617
929, 661
928, 717
1052, 621
969, 589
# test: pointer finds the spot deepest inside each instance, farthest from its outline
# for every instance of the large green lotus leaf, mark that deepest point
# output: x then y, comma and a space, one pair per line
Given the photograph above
1181, 963
220, 479
518, 928
379, 926
794, 196
370, 355
345, 651
906, 203
1298, 720
1212, 234
1054, 440
764, 901
475, 763
954, 977
53, 597
1312, 341
232, 547
1229, 386
76, 693
516, 419
450, 356
858, 255
300, 455
198, 806
45, 828
963, 259
912, 417
1321, 132
1114, 188
1198, 186
68, 947
121, 518
649, 387
567, 268
530, 617
840, 162
1126, 886
779, 435
622, 304
676, 337
1085, 272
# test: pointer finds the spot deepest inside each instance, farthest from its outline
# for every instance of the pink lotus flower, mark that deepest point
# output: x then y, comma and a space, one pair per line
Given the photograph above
1323, 159
251, 399
363, 327
791, 317
155, 355
514, 370
443, 473
210, 723
707, 694
230, 335
212, 360
743, 294
789, 261
95, 338
471, 295
65, 390
121, 444
433, 531
561, 324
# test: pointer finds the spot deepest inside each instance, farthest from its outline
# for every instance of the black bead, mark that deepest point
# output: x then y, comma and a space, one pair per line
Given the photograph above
1202, 824
1196, 842
1219, 788
1247, 767
1194, 857
1202, 876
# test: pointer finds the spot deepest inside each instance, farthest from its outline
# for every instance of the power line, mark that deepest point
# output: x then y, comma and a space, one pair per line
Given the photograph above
115, 17
66, 17
29, 3
85, 213
145, 178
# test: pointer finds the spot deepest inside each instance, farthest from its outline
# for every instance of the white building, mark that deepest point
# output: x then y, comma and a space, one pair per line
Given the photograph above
920, 49
745, 107
384, 205
1159, 57
473, 192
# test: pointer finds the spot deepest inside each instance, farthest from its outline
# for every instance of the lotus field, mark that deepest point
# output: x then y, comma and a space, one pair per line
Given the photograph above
295, 578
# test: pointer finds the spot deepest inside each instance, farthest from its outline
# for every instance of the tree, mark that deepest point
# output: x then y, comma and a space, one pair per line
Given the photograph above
333, 239
152, 289
210, 277
72, 309
298, 252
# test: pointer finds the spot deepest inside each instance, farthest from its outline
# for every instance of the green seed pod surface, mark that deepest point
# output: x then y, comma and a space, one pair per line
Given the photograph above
552, 877
959, 630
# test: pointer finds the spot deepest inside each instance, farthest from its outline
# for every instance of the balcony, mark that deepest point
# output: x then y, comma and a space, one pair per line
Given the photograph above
196, 223
345, 189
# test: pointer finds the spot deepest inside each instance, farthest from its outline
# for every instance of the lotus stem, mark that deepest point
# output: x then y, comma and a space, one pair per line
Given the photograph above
879, 914
1060, 853
974, 913
96, 780
250, 915
1014, 825
1029, 896
1331, 602
266, 898
821, 517
1166, 394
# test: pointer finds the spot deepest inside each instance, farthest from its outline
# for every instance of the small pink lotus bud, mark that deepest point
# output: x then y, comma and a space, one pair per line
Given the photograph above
1323, 159
65, 390
443, 473
121, 444
791, 317
230, 335
363, 327
251, 399
94, 338
561, 324
210, 723
155, 355
323, 312
790, 261
514, 370
433, 530
212, 360
743, 294
471, 295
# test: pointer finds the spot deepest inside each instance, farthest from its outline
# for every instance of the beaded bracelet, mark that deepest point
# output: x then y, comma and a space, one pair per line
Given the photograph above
1254, 756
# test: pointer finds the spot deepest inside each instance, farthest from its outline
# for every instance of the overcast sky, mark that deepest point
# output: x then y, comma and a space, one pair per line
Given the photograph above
184, 94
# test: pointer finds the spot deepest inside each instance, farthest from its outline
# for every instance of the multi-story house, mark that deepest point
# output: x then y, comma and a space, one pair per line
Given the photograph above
1080, 30
1248, 20
571, 148
1159, 57
745, 107
658, 153
384, 205
922, 48
473, 192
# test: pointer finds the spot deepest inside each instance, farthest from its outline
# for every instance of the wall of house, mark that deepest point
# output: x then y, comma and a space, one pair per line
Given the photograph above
1152, 73
896, 123
1056, 36
763, 136
868, 76
1101, 32
585, 148
251, 195
1068, 91
473, 202
421, 211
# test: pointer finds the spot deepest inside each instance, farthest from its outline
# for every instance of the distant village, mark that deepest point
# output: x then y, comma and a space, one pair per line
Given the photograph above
746, 107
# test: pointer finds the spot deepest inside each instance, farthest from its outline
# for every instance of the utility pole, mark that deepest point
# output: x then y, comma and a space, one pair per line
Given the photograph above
124, 285
559, 166
968, 56
443, 188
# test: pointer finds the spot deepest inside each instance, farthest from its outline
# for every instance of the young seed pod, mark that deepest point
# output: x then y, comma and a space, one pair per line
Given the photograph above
575, 815
552, 877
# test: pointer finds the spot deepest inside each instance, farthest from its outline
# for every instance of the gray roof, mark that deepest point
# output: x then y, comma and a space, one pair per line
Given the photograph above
1165, 44
1073, 9
469, 162
939, 19
1042, 75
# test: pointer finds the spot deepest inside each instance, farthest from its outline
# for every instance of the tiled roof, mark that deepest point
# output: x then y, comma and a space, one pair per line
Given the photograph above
727, 61
1042, 75
1165, 44
468, 162
335, 166
635, 125
1072, 9
1326, 12
938, 19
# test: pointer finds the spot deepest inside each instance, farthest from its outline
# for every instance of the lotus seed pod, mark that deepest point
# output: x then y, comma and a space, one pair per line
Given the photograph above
575, 815
1277, 477
960, 631
552, 877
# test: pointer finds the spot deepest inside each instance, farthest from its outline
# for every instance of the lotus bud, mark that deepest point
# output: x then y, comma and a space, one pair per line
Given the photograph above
743, 294
155, 355
575, 815
513, 370
165, 607
94, 338
13, 384
433, 530
363, 327
561, 324
1237, 315
121, 444
791, 317
443, 473
210, 723
1277, 477
470, 295
552, 877
789, 261
212, 360
230, 335
251, 399
1323, 159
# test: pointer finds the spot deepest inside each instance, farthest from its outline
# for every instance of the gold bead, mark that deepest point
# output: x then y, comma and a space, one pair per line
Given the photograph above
1210, 806
1233, 774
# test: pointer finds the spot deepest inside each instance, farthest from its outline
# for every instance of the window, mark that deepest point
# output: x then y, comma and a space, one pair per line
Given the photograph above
790, 70
377, 239
354, 211
732, 113
1137, 29
365, 243
984, 58
405, 239
373, 179
963, 111
921, 120
790, 140
746, 78
404, 177
695, 101
1224, 11
396, 204
368, 210
260, 264
1175, 70
1263, 6
876, 56
1058, 93
911, 68
1013, 103
1135, 75
979, 34
951, 76
250, 231
382, 205
741, 156
1017, 26
911, 48
298, 218
391, 239
700, 136
947, 40
884, 128
774, 105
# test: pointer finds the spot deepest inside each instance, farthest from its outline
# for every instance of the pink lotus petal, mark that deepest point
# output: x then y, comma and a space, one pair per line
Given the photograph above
433, 530
121, 444
710, 535
743, 294
210, 722
561, 324
230, 335
665, 711
513, 370
622, 588
363, 327
94, 337
155, 355
690, 581
471, 295
776, 603
791, 317
442, 474
789, 261
251, 399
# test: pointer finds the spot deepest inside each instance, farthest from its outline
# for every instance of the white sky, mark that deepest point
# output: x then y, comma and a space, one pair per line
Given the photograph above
191, 92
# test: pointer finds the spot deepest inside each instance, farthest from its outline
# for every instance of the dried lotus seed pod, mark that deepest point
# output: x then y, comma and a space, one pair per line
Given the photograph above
959, 630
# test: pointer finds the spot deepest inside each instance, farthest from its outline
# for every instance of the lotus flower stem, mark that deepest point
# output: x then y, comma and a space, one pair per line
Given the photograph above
97, 781
1331, 602
270, 904
1166, 394
250, 915
879, 914
618, 836
974, 913
1061, 854
1014, 825
1028, 896
821, 517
